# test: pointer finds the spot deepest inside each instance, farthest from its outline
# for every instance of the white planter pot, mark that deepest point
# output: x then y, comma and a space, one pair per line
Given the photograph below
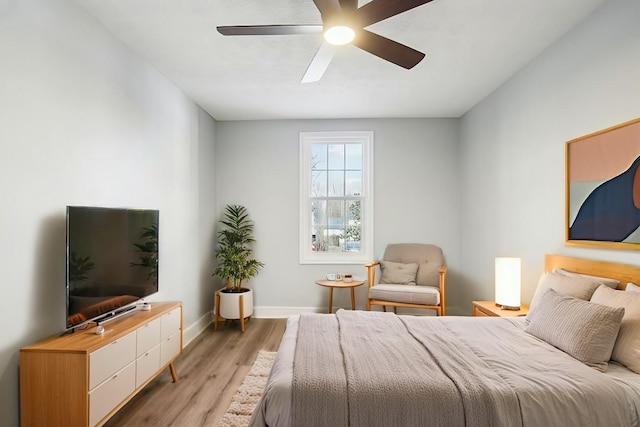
230, 304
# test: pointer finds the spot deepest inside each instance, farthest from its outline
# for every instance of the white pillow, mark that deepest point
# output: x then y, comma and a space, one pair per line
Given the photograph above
612, 283
578, 287
585, 330
627, 347
632, 287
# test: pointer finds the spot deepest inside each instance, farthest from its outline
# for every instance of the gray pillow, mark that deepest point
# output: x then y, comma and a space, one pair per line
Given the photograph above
585, 330
398, 273
612, 283
632, 287
578, 287
627, 347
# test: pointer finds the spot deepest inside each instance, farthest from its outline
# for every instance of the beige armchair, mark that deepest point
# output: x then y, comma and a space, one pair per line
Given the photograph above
412, 275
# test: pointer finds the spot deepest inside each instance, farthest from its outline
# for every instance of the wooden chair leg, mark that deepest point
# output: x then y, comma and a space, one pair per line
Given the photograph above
384, 308
395, 310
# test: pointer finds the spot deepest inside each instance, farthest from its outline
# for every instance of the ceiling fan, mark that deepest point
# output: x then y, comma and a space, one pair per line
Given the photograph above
343, 22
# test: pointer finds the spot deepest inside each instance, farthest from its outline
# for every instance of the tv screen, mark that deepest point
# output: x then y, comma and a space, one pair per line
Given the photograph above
112, 260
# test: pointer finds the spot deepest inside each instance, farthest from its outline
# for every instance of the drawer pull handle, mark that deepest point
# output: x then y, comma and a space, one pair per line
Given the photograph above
114, 377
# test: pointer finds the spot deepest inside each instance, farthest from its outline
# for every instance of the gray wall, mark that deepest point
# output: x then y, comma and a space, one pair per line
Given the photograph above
512, 146
85, 121
415, 199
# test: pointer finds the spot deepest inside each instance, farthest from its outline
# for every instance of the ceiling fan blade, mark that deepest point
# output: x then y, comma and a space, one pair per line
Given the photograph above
348, 6
319, 63
387, 49
379, 10
269, 30
328, 8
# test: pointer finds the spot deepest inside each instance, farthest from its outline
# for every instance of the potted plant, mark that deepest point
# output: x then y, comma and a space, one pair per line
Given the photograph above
235, 264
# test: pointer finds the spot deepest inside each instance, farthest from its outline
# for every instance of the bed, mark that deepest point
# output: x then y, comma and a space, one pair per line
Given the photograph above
573, 361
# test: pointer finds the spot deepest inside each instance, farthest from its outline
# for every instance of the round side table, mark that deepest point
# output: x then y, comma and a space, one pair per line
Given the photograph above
332, 284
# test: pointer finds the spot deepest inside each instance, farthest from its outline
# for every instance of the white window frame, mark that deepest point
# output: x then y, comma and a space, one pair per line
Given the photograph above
307, 255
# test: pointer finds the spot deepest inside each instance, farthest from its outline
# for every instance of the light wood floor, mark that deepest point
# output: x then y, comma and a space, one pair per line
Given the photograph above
210, 371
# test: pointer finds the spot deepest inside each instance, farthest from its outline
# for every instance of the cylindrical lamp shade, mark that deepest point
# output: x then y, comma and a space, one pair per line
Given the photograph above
508, 283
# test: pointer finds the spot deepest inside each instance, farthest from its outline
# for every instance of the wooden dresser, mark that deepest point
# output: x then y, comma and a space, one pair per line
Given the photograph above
82, 379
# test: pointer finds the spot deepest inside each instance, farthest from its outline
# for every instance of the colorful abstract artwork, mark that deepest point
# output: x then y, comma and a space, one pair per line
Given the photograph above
603, 188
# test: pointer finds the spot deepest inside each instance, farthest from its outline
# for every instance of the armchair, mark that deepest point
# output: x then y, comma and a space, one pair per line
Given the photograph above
412, 275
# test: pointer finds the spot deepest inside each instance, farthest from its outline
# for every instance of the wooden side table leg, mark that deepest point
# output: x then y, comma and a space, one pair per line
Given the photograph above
353, 299
174, 374
241, 311
330, 300
217, 310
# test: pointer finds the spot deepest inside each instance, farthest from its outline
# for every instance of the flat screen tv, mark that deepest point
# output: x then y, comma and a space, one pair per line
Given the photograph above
112, 261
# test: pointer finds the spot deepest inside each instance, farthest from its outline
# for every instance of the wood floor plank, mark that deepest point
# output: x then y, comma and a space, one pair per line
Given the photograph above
210, 371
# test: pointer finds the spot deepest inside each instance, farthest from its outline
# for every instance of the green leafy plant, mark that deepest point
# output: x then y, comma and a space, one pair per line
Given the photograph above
78, 268
148, 250
234, 253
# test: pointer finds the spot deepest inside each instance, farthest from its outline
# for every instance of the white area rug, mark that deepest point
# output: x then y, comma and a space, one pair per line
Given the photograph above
248, 395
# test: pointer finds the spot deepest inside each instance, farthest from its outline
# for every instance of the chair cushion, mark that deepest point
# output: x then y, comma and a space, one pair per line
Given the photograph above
398, 273
428, 257
425, 295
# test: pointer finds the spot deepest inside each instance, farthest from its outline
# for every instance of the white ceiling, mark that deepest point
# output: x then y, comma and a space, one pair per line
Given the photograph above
472, 47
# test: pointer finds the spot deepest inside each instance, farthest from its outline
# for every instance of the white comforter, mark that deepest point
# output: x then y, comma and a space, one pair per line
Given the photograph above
551, 387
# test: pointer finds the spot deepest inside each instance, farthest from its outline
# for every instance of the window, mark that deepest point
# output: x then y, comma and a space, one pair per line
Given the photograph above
336, 197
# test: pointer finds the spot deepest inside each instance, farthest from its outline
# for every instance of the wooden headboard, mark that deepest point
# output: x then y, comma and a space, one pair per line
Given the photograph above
623, 272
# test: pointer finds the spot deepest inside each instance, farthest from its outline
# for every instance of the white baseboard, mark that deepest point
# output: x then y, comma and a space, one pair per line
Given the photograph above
190, 333
283, 312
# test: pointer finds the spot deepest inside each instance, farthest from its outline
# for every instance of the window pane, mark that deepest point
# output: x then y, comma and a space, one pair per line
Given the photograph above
335, 224
336, 156
353, 231
318, 156
354, 156
318, 184
336, 183
318, 222
353, 183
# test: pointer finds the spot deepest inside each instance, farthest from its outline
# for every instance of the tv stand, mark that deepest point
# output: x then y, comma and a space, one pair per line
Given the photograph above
82, 379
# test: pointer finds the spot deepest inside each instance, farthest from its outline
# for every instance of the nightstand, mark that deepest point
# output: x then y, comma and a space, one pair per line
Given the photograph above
489, 308
332, 284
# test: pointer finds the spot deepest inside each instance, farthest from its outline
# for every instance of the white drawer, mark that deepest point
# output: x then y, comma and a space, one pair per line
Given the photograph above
170, 323
169, 348
111, 393
148, 336
147, 365
111, 358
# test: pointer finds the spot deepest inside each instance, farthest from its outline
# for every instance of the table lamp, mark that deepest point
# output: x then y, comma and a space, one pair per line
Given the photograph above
508, 283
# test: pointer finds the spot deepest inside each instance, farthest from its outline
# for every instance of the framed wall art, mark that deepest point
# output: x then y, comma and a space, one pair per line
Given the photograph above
603, 188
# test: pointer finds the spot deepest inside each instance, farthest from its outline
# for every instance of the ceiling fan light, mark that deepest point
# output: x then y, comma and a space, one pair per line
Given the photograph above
339, 35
